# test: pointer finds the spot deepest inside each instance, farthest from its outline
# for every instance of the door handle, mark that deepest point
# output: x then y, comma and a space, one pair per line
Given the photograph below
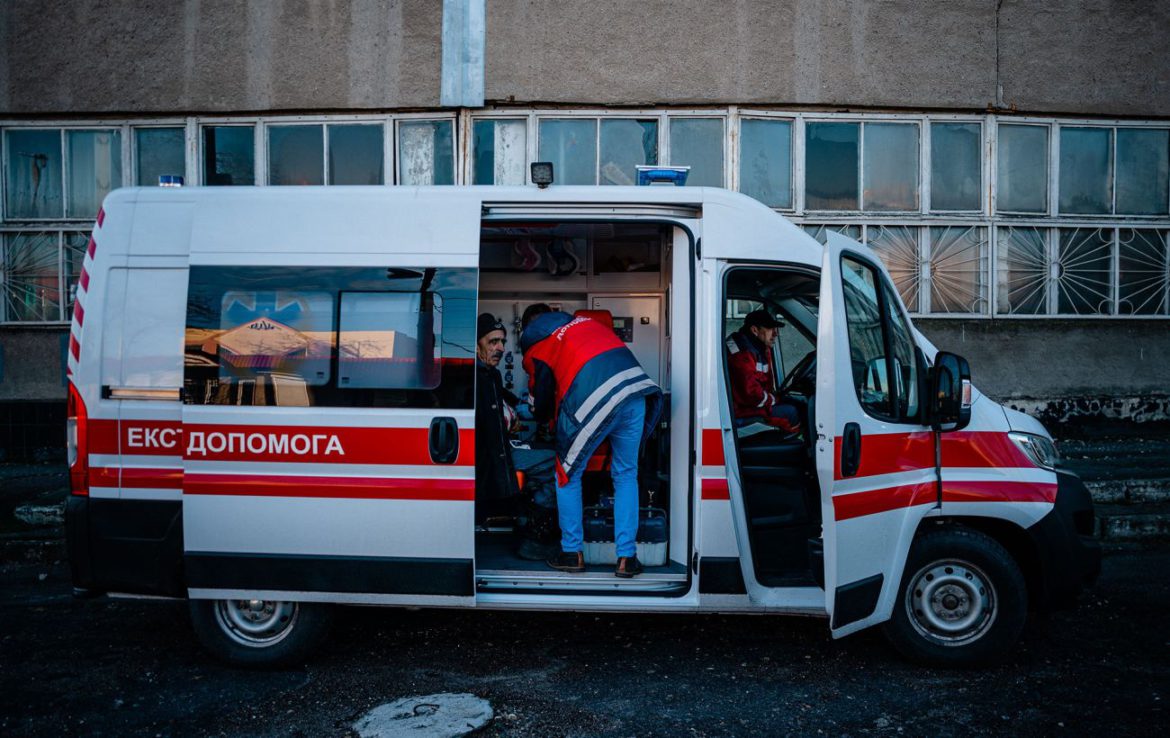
443, 440
851, 450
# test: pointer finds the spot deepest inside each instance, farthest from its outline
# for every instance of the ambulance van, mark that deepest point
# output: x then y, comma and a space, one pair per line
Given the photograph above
271, 412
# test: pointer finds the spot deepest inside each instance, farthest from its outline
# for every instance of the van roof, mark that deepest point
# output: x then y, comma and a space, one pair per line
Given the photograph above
733, 225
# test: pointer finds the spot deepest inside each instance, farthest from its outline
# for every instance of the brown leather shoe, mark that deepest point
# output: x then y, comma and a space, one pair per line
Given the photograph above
570, 561
628, 567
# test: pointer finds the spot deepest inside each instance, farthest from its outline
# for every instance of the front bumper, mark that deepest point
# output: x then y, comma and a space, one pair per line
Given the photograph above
1068, 552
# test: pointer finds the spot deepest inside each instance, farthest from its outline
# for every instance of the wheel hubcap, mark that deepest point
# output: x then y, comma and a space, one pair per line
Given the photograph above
256, 623
951, 602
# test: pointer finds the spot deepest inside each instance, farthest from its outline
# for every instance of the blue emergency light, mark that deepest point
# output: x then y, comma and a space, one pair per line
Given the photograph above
170, 180
656, 175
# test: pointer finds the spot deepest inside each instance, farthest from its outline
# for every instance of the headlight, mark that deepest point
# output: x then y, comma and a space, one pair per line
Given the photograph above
1040, 450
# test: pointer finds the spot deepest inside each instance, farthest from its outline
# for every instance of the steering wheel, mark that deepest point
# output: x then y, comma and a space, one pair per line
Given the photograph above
805, 371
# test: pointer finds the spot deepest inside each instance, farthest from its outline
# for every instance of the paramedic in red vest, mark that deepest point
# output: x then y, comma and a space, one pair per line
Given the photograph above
753, 383
584, 379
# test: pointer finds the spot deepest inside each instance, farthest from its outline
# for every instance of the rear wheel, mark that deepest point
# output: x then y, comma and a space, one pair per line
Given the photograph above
962, 600
260, 633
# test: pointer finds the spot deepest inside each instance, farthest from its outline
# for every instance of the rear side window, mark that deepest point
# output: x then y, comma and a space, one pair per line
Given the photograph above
330, 336
881, 350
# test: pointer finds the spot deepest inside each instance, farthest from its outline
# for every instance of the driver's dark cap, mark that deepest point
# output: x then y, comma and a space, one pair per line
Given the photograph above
761, 318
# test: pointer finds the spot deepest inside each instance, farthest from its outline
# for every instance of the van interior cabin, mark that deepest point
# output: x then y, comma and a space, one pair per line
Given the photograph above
618, 273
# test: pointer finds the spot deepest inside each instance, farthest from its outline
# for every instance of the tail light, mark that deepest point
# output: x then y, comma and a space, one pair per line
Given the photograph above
76, 449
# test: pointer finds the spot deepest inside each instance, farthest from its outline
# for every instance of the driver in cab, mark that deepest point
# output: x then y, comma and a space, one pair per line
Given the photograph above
754, 396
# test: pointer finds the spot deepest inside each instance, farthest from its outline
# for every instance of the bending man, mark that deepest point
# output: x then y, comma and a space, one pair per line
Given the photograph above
583, 378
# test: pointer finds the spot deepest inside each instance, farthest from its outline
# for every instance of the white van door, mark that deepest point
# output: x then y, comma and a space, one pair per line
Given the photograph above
328, 415
874, 458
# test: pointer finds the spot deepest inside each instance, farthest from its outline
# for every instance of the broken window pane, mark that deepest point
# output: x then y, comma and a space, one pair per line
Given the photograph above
1143, 171
356, 154
95, 168
1022, 271
765, 161
830, 154
31, 289
891, 166
426, 152
500, 148
33, 181
159, 151
571, 146
1086, 170
1082, 274
1144, 279
898, 248
956, 172
624, 145
958, 269
229, 155
698, 143
74, 256
1022, 184
296, 155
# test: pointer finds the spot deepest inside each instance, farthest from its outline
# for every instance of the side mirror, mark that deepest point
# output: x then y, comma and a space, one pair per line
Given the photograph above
950, 392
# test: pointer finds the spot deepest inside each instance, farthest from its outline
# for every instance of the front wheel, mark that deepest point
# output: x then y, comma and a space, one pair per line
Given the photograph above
260, 633
962, 600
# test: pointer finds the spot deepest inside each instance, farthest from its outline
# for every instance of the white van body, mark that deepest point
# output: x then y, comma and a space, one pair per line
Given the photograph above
281, 504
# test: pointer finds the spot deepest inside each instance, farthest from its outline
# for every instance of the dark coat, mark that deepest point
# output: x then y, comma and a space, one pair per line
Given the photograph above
495, 475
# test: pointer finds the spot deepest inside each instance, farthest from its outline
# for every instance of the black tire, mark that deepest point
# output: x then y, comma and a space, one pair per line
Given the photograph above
962, 601
260, 634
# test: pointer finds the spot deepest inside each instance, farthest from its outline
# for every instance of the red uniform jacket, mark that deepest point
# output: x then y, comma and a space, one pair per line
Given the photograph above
753, 383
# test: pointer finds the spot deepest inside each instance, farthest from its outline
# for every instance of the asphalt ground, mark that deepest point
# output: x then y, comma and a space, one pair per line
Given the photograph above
132, 667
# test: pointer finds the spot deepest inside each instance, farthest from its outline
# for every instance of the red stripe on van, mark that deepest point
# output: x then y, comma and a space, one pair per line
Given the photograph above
715, 489
360, 445
101, 217
359, 488
858, 504
79, 313
74, 347
103, 476
998, 492
92, 247
890, 453
713, 447
982, 449
103, 436
140, 478
84, 279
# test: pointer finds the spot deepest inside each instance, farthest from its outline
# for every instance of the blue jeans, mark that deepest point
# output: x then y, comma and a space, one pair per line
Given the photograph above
624, 432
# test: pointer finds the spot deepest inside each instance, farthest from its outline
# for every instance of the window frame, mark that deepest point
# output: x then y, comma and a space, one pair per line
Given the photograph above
731, 115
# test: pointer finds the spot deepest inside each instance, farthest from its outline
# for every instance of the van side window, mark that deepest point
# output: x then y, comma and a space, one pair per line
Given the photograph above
390, 340
330, 336
881, 351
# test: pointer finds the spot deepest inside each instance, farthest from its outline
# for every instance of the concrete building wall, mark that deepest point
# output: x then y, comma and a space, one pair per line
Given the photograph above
1065, 369
32, 363
139, 56
802, 52
1104, 57
231, 56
